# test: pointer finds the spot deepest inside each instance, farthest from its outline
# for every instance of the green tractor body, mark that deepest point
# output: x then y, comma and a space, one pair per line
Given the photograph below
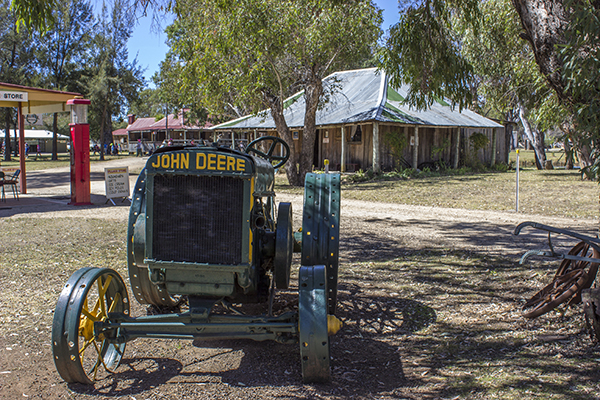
203, 225
204, 230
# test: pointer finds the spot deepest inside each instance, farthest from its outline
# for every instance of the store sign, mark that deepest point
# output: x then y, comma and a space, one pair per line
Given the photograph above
13, 96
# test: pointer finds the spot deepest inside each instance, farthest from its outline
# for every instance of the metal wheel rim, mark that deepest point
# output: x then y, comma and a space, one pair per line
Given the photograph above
284, 244
570, 279
78, 354
312, 325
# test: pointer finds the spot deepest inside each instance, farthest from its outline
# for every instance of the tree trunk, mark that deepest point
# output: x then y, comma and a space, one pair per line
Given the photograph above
544, 22
55, 136
568, 153
535, 136
584, 154
102, 133
313, 88
276, 106
16, 140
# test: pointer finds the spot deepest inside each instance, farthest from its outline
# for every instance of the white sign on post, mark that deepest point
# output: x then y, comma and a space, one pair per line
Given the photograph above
116, 183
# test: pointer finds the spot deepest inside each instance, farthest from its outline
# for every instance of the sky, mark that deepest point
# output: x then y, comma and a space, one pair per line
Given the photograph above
149, 46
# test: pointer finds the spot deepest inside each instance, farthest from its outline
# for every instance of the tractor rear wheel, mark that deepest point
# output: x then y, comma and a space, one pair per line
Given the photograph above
312, 325
321, 228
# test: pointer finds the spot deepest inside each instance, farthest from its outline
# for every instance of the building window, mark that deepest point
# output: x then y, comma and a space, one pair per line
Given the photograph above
355, 134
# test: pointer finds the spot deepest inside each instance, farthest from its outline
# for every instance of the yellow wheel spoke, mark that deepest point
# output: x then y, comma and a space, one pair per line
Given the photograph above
102, 289
98, 361
115, 302
89, 315
85, 346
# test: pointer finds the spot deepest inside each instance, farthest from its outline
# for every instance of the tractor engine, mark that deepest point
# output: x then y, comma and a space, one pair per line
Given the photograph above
204, 225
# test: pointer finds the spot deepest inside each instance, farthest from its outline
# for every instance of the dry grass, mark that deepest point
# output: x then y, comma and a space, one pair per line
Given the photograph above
453, 320
527, 157
419, 324
557, 192
45, 161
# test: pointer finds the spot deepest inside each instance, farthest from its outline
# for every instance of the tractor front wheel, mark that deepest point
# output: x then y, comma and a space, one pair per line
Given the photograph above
90, 295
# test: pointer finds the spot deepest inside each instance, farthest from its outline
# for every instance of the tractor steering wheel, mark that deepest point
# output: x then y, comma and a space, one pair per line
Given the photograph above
274, 140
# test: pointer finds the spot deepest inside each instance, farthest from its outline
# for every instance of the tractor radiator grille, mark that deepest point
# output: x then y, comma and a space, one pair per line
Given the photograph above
197, 219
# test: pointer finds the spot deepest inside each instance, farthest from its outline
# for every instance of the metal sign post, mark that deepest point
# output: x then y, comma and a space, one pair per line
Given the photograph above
517, 188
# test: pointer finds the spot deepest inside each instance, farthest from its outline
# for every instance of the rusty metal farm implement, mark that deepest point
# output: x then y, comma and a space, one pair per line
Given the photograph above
572, 283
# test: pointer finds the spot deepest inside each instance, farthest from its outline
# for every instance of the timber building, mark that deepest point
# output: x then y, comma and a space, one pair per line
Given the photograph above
364, 115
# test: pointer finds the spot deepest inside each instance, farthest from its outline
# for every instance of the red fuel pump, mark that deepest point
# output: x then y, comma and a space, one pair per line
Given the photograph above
80, 152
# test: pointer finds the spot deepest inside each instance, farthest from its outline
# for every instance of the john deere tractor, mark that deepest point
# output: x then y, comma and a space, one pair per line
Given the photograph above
205, 234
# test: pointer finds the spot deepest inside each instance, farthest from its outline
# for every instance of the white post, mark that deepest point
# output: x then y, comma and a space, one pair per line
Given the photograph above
517, 188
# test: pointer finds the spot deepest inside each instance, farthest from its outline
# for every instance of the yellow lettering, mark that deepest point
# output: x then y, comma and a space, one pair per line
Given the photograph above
198, 157
230, 163
164, 161
174, 160
241, 164
156, 162
211, 162
221, 162
185, 161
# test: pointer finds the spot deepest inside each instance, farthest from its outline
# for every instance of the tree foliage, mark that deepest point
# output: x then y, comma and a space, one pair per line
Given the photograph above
424, 51
35, 15
17, 64
508, 81
252, 54
112, 81
61, 52
581, 73
562, 36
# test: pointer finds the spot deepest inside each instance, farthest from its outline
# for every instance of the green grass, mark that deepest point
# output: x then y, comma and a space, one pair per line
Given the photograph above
527, 157
556, 192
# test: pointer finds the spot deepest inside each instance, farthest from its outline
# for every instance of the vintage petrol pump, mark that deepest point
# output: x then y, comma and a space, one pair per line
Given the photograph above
80, 152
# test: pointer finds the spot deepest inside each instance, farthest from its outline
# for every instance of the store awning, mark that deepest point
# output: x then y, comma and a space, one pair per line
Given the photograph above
30, 100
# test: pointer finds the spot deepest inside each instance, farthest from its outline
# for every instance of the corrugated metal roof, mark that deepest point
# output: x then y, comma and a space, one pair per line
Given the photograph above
31, 134
360, 96
142, 124
120, 132
151, 124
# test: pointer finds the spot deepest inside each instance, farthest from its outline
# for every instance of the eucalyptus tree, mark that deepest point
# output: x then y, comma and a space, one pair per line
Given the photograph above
17, 63
563, 35
581, 73
253, 54
62, 50
147, 104
508, 81
112, 81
